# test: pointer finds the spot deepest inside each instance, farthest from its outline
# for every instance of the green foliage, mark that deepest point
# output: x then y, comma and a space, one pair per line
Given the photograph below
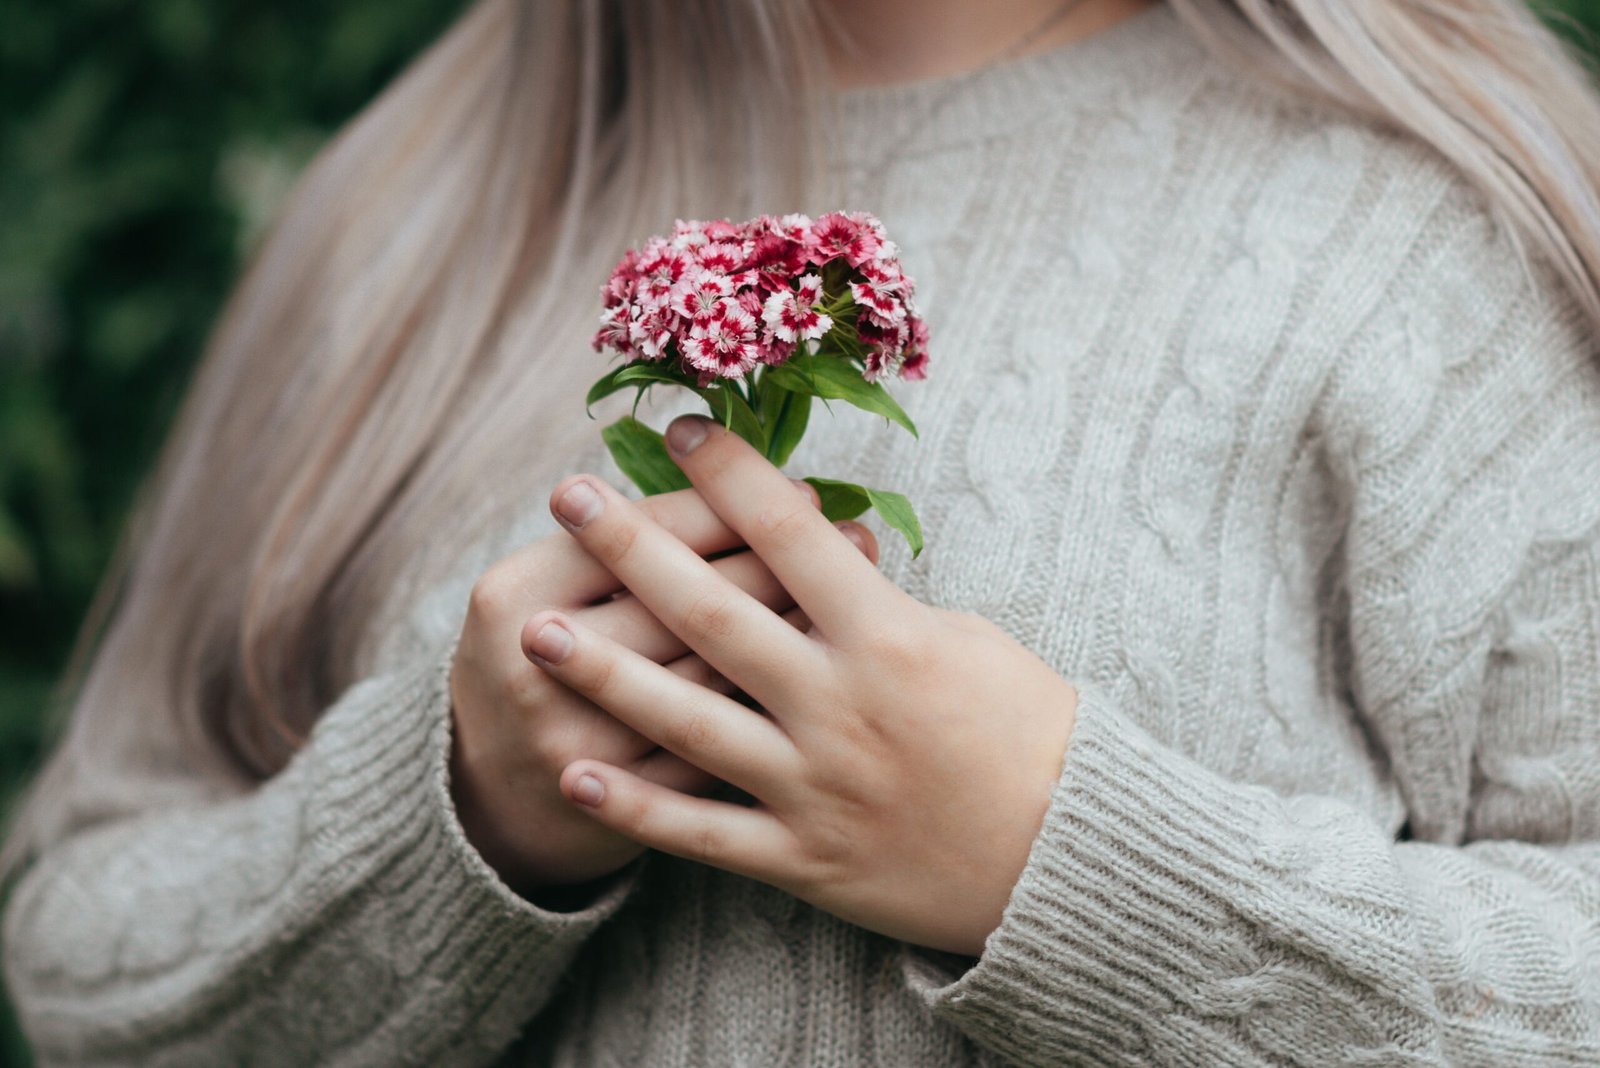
785, 414
831, 378
846, 500
641, 454
143, 144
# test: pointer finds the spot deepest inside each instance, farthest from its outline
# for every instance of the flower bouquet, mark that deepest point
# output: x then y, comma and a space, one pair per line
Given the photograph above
759, 318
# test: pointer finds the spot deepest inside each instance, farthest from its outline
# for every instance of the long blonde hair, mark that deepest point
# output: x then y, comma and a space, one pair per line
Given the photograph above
401, 340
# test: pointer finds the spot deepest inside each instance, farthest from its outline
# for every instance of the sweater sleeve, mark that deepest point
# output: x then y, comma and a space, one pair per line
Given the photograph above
337, 914
1168, 914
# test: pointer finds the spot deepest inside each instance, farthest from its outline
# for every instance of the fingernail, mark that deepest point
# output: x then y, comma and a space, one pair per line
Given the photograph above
853, 532
579, 504
806, 488
551, 643
588, 790
686, 433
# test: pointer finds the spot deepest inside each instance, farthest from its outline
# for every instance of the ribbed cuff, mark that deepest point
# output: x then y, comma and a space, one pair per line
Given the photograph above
1119, 939
386, 825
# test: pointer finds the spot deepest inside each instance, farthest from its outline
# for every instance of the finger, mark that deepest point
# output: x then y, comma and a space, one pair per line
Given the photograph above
747, 841
734, 632
589, 730
797, 619
703, 727
682, 513
819, 567
628, 622
673, 772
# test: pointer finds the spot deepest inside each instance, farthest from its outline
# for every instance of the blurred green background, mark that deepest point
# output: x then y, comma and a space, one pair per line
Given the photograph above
142, 148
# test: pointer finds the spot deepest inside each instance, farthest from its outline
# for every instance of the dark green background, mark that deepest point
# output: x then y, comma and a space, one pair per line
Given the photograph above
142, 145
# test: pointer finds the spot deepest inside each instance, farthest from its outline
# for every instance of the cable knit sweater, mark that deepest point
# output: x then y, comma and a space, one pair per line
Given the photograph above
1245, 417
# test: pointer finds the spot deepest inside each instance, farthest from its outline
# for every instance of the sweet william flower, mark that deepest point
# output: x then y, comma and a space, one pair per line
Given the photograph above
885, 348
854, 237
881, 291
723, 342
792, 315
725, 257
660, 268
724, 308
696, 293
613, 332
915, 366
650, 330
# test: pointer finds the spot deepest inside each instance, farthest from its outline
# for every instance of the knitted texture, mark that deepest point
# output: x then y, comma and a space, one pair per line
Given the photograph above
1244, 417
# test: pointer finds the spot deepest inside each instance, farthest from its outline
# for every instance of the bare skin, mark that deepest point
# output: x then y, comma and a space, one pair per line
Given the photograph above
895, 785
880, 42
588, 729
516, 729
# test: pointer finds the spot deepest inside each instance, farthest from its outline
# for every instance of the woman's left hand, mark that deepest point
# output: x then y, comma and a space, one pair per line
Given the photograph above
906, 758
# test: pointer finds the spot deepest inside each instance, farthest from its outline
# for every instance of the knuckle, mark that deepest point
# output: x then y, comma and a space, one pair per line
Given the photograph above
710, 615
635, 815
613, 542
714, 457
553, 747
494, 594
700, 673
691, 733
707, 844
786, 523
593, 674
667, 511
826, 859
897, 654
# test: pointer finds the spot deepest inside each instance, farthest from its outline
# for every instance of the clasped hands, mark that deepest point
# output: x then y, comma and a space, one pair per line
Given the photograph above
900, 757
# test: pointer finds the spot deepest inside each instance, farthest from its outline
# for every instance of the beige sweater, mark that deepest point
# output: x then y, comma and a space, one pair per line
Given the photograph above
1244, 417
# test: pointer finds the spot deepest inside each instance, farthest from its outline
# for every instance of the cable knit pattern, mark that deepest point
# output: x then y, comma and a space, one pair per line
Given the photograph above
1244, 417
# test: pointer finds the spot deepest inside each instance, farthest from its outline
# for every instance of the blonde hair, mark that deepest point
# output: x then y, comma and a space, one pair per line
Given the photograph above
401, 341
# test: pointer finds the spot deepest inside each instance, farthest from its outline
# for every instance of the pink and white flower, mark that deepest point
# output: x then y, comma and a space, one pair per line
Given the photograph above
624, 277
717, 298
854, 237
881, 291
698, 291
651, 329
725, 257
613, 332
716, 301
915, 366
792, 314
884, 346
660, 268
723, 342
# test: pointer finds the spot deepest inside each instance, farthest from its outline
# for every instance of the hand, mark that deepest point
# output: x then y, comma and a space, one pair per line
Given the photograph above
906, 758
515, 730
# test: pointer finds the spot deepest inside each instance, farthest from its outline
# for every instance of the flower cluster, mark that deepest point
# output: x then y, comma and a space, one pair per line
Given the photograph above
721, 298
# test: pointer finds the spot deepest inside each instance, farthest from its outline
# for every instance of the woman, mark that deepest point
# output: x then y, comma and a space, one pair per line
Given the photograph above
1241, 711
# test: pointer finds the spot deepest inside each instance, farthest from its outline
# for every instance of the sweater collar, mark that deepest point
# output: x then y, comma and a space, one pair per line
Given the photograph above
876, 124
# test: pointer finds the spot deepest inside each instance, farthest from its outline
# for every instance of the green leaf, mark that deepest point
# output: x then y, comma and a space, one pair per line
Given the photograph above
895, 509
642, 455
846, 500
840, 500
602, 389
787, 425
833, 378
655, 372
768, 399
641, 374
735, 413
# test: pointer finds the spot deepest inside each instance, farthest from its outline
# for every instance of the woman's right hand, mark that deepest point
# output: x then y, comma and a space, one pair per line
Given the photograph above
516, 728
